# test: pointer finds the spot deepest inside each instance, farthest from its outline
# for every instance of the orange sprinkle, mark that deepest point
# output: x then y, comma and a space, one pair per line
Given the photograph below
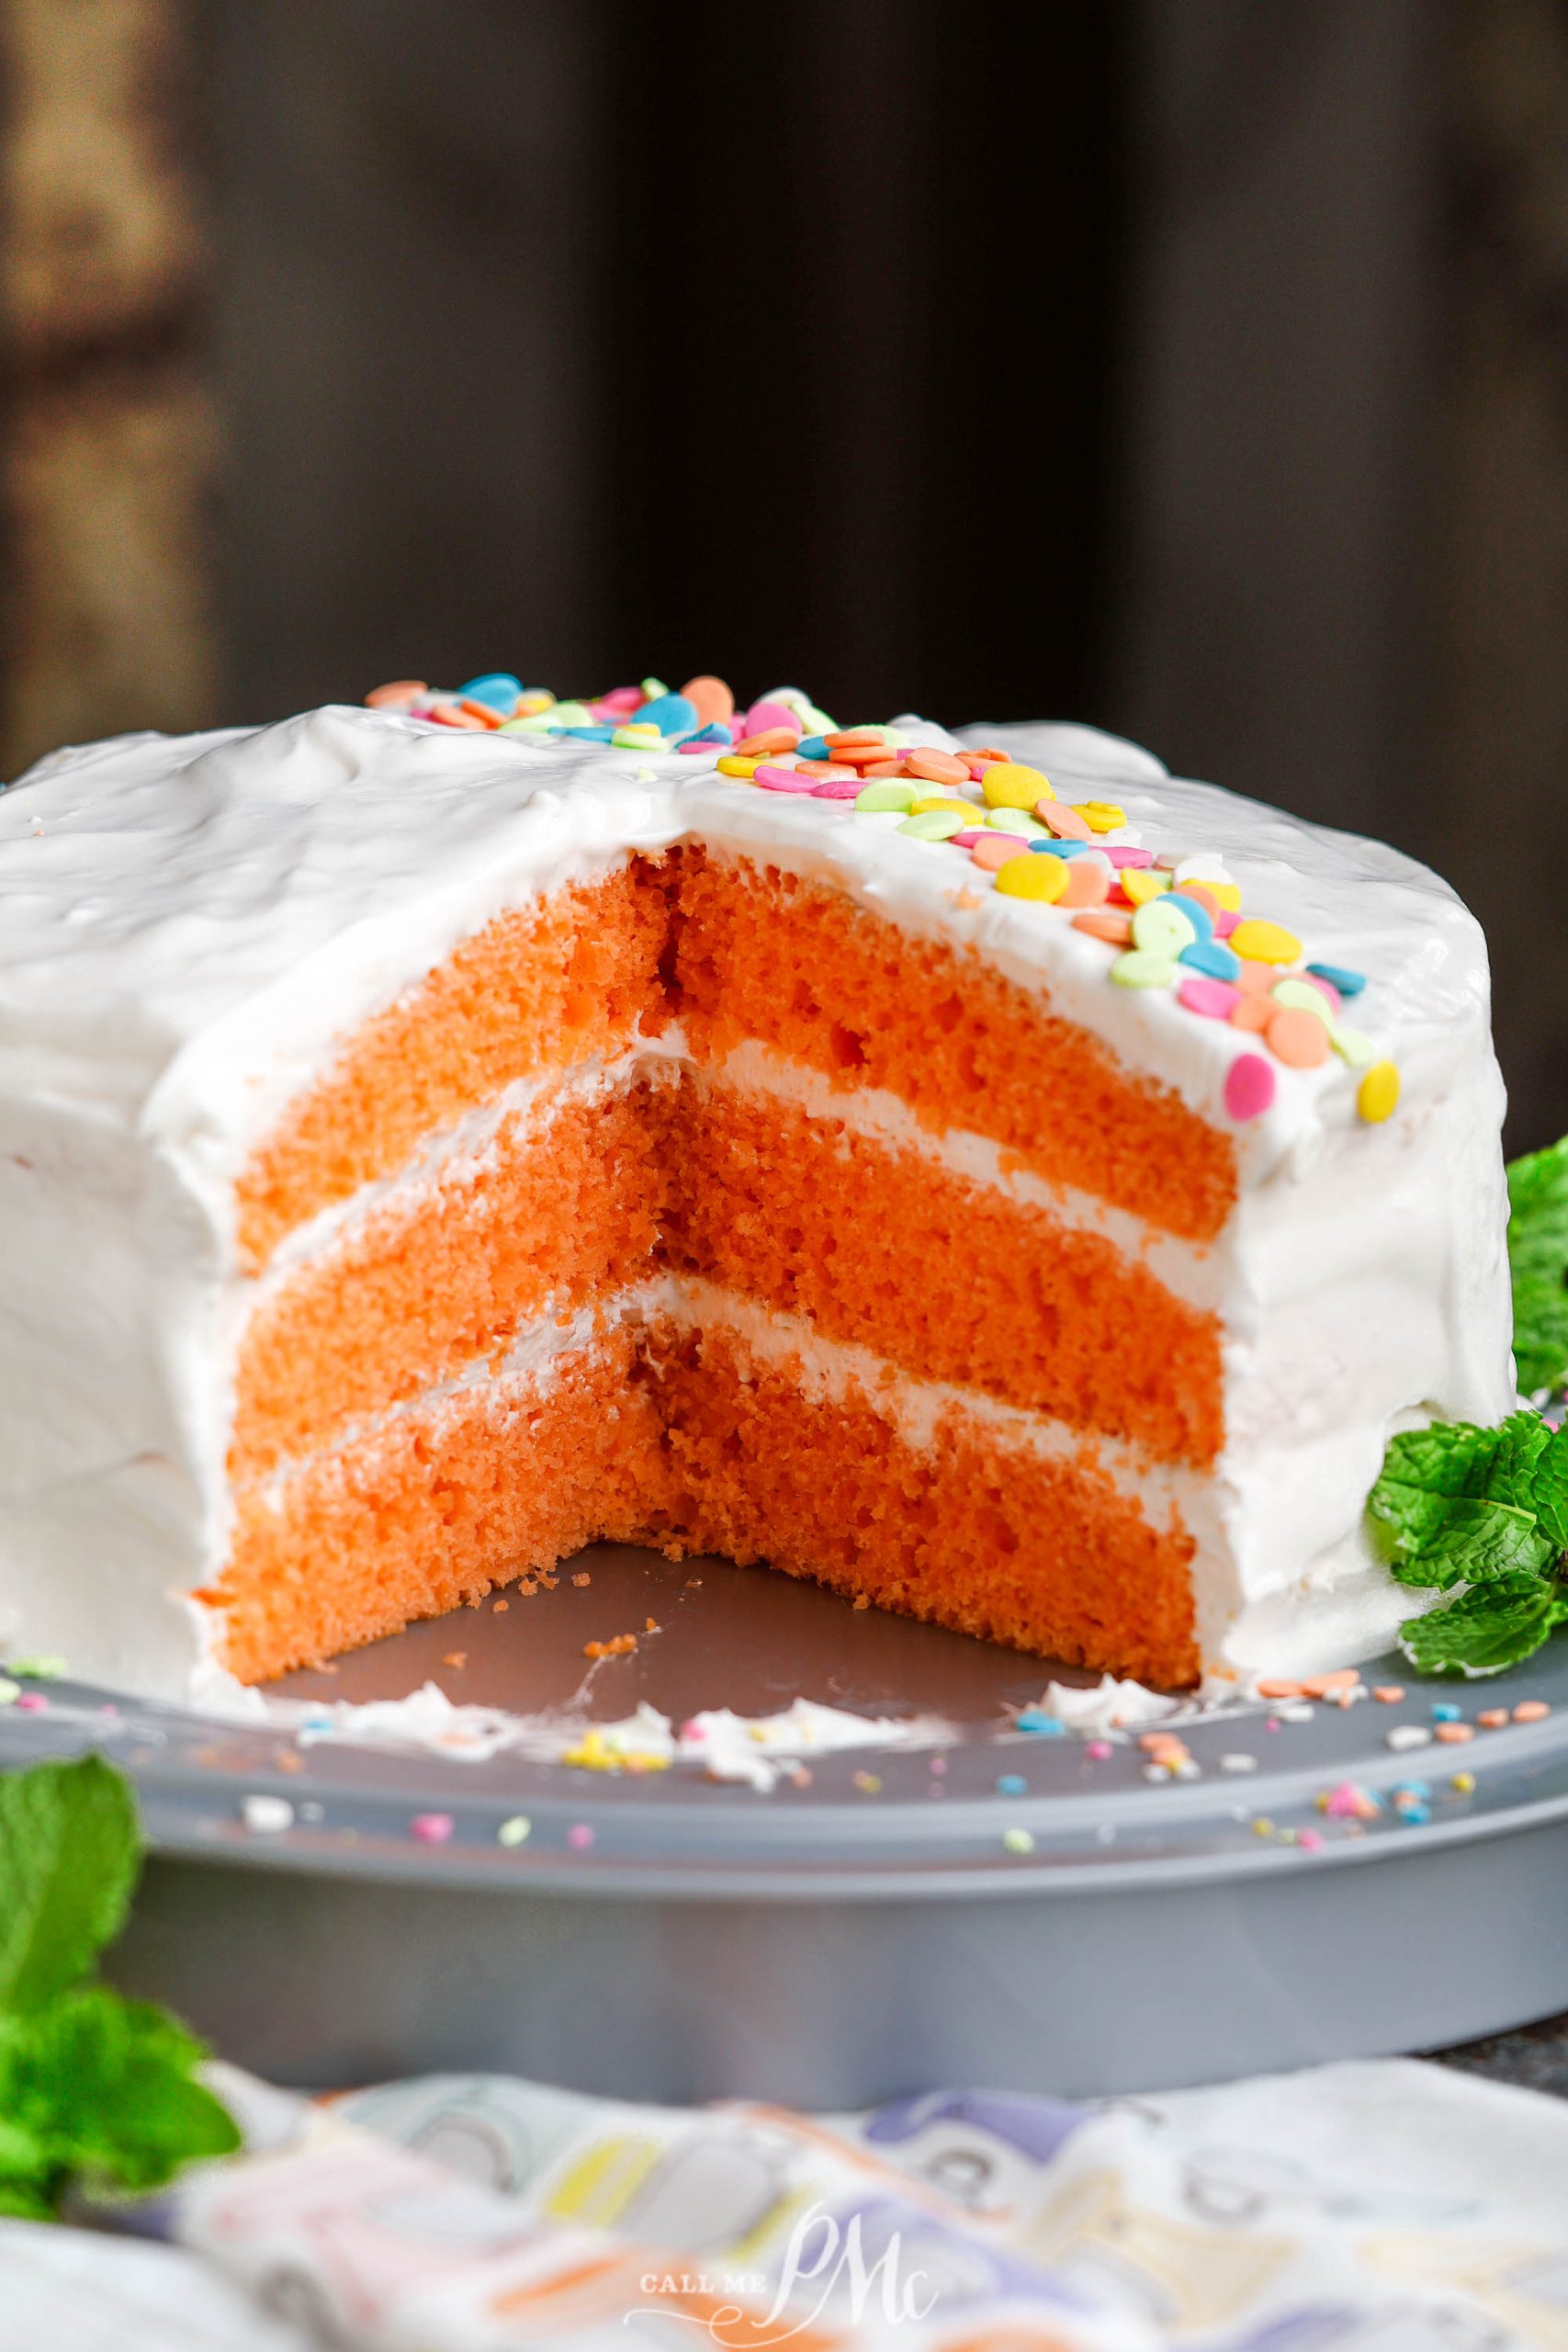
1253, 1013
482, 712
1324, 1686
1204, 898
870, 768
772, 739
854, 739
1531, 1711
452, 714
1453, 1735
1296, 1037
1275, 1687
1087, 883
937, 767
992, 851
389, 697
1105, 924
1254, 978
1388, 1694
1492, 1718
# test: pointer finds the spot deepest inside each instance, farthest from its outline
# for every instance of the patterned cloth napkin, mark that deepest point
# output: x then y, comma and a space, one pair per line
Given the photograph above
1385, 2207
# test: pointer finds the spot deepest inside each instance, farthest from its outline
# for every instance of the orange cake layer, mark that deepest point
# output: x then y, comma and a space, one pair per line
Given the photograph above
543, 987
575, 1198
948, 1279
796, 963
561, 1206
974, 1533
719, 1451
434, 1506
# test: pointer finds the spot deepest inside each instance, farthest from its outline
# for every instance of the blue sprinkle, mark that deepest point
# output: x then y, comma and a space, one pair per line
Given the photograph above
1415, 1814
1347, 983
712, 733
813, 747
1210, 955
1197, 914
1012, 1785
585, 734
1444, 1711
1044, 1726
1063, 849
498, 689
671, 713
1415, 1792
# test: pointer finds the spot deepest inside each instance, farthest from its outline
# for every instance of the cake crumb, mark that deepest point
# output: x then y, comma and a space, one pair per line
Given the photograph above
458, 1658
500, 1607
650, 1626
619, 1645
581, 1579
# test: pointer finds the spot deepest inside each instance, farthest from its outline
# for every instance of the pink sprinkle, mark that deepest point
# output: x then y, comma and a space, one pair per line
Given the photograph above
1343, 1804
1273, 1723
432, 1828
736, 726
693, 1730
1225, 923
1310, 1840
939, 1764
1098, 1750
781, 780
1213, 998
32, 1703
1316, 980
618, 700
695, 750
580, 1836
1119, 857
1249, 1086
971, 834
838, 787
763, 717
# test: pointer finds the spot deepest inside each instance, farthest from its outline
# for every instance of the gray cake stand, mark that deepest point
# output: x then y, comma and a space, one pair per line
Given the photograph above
1031, 1915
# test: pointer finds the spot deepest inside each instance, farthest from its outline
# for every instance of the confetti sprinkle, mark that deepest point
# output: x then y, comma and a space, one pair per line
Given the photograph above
266, 1817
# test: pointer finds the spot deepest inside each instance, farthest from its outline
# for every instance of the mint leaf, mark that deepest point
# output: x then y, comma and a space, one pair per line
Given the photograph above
70, 1852
106, 2091
1551, 1489
1537, 1260
1492, 1626
1461, 1503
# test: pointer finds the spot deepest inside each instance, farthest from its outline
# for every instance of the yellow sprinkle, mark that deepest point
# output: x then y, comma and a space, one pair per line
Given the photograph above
964, 808
1264, 943
1007, 783
1377, 1092
1033, 876
1263, 1826
1465, 1783
739, 768
1225, 894
1101, 816
1143, 883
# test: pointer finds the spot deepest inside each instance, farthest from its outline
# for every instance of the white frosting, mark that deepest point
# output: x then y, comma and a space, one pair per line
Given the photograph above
189, 927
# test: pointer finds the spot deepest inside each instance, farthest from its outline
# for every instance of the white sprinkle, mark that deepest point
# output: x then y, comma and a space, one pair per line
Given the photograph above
266, 1817
1188, 1769
1239, 1763
312, 1809
1404, 1736
1299, 1711
1155, 1772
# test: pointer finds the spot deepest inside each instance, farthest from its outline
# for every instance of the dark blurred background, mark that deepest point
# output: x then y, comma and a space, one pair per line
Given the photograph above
1195, 367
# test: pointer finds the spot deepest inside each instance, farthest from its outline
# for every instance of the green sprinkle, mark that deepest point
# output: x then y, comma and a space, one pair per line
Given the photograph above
890, 792
1018, 1842
514, 1831
933, 824
38, 1670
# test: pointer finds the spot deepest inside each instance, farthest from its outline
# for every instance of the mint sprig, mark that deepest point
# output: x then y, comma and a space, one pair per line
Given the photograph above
1486, 1509
1537, 1262
96, 2092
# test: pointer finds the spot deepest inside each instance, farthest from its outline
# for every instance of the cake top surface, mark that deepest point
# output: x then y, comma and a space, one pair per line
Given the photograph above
189, 921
